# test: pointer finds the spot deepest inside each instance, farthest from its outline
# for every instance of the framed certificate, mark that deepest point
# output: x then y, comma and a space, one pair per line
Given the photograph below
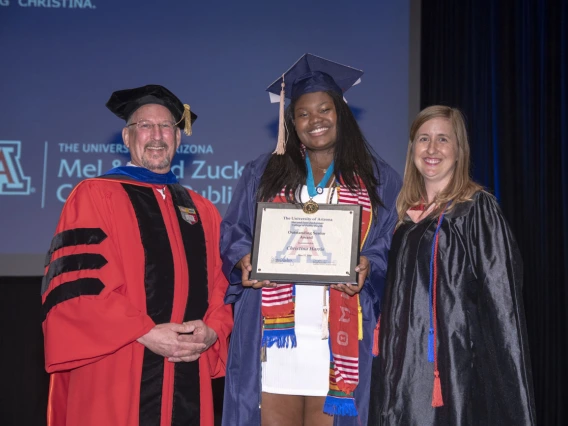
291, 246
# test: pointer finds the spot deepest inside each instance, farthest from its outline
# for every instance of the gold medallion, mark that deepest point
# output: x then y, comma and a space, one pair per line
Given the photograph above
310, 207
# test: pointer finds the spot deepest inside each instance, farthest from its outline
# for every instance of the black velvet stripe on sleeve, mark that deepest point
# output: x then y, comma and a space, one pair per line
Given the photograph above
186, 376
159, 287
70, 290
75, 237
72, 263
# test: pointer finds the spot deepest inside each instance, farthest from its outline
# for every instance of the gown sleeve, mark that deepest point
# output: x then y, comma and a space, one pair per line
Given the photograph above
503, 352
237, 228
86, 311
376, 247
218, 316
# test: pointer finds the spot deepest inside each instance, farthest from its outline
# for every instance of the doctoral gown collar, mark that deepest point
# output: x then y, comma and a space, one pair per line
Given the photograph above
142, 174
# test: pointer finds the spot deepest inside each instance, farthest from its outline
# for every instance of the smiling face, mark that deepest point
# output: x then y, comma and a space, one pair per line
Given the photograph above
435, 153
315, 120
153, 147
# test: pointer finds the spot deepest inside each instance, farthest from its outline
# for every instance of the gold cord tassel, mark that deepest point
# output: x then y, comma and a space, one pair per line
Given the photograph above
325, 316
325, 324
187, 115
359, 319
281, 145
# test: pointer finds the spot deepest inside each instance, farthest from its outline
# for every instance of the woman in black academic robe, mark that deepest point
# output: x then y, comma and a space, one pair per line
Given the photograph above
453, 345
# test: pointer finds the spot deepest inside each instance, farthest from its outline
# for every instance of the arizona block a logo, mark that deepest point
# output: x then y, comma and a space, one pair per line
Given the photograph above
12, 179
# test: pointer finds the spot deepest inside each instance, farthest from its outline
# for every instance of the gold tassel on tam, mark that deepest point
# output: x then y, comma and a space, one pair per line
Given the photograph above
187, 116
281, 145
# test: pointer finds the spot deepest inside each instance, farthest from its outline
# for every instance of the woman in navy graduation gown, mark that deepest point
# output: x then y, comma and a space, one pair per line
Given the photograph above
326, 160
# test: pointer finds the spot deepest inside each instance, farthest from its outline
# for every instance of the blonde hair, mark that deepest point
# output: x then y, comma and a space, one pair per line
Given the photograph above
460, 188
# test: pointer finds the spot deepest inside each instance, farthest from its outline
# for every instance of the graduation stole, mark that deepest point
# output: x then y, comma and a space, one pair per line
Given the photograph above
345, 321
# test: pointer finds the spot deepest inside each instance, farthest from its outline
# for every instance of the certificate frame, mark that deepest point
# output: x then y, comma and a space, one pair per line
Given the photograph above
282, 231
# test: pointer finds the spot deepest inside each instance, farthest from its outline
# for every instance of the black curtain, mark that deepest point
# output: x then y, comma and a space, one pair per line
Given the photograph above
24, 382
504, 64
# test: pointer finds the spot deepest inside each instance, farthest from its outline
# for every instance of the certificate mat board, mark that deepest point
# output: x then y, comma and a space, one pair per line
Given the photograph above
291, 246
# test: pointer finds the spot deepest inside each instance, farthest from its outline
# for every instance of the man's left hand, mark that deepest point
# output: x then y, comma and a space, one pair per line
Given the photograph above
201, 335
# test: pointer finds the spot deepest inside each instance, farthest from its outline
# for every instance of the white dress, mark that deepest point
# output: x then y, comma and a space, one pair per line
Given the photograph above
303, 370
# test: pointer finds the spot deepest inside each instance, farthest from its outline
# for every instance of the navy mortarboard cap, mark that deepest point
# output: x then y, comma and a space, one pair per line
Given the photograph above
310, 74
123, 103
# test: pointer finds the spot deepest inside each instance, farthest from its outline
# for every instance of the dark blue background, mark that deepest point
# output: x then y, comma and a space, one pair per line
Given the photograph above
60, 65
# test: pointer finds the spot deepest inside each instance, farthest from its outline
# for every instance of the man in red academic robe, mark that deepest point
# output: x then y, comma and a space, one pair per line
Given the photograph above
133, 315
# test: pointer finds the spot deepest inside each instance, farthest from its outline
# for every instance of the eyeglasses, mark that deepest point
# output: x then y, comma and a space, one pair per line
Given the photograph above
146, 126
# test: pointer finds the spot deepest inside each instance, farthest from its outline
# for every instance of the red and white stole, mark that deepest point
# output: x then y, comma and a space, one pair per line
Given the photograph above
345, 320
